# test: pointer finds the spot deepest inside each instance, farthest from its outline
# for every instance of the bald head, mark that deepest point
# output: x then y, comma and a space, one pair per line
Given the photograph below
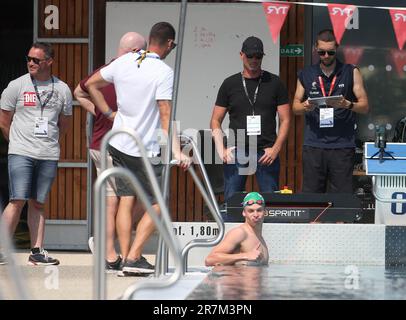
131, 41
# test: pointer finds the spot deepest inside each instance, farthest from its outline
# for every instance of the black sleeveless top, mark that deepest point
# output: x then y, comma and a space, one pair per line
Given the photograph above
342, 135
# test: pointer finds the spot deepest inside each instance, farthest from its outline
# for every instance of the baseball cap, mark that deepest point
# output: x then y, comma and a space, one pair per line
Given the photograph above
252, 198
252, 45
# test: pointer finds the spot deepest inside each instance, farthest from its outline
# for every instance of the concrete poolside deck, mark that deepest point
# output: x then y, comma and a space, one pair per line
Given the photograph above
71, 280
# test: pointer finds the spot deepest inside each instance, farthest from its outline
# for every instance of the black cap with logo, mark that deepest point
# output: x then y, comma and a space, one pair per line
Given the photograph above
252, 45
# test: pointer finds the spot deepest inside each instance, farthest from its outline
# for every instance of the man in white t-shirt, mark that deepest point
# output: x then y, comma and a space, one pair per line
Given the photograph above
143, 84
130, 41
35, 110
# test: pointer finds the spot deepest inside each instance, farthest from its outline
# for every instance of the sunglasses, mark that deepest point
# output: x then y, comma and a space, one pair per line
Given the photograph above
329, 52
251, 202
258, 56
35, 60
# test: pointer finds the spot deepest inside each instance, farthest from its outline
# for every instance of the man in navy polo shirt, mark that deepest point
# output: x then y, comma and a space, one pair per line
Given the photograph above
329, 137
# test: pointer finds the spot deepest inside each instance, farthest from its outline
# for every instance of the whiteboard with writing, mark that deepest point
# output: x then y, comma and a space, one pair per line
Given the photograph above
211, 50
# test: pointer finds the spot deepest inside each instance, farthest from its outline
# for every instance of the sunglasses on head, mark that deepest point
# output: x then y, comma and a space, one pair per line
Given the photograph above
258, 56
35, 60
251, 202
323, 52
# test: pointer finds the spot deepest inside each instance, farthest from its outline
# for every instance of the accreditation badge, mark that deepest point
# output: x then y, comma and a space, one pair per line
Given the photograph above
253, 125
326, 117
41, 127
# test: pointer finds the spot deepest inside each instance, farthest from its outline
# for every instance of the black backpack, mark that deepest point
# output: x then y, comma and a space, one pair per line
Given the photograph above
400, 131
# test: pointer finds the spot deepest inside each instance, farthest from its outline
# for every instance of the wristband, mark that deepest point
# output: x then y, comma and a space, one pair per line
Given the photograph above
108, 113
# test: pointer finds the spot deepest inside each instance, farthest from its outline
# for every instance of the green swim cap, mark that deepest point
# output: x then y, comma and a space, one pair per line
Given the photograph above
252, 198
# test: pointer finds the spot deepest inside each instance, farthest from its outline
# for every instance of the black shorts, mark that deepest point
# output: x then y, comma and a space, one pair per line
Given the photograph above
137, 167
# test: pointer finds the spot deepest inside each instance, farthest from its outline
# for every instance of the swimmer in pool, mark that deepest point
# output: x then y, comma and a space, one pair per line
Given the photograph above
244, 244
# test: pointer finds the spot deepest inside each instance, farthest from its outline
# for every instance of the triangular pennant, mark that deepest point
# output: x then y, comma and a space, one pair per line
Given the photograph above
276, 14
399, 24
352, 55
340, 15
399, 58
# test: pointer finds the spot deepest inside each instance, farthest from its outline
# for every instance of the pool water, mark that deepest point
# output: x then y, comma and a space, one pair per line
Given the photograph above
278, 281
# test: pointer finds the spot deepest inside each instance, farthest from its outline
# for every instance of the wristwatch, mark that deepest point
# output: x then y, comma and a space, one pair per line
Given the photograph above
351, 105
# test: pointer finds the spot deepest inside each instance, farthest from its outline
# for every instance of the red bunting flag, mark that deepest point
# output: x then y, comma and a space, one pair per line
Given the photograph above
399, 24
399, 58
352, 55
340, 15
276, 14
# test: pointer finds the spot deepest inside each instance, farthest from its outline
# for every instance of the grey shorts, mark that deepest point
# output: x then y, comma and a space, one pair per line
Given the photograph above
137, 167
30, 178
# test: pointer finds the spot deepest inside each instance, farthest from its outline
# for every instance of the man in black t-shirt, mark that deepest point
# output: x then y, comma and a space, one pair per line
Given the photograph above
252, 98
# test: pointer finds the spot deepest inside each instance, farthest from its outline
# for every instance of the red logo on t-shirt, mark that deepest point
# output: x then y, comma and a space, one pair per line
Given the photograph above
30, 99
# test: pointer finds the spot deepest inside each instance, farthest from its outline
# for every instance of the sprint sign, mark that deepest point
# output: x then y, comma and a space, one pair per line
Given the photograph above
30, 99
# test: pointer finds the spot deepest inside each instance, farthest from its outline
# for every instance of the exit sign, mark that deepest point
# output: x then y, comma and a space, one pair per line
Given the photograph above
292, 50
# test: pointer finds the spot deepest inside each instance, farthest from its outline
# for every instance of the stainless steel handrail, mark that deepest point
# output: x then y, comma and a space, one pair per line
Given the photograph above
160, 267
178, 60
100, 221
382, 199
12, 268
211, 203
169, 240
217, 217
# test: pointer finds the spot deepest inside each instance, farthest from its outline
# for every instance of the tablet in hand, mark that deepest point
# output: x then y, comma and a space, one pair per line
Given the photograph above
322, 101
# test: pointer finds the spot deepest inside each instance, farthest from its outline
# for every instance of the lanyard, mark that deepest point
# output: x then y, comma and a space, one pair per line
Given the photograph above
144, 55
331, 86
34, 82
252, 103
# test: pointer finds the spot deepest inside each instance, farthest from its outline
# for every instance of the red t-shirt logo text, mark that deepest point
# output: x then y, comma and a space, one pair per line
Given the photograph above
30, 99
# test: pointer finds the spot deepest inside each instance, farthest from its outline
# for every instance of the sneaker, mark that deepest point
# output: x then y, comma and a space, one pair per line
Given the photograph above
133, 274
140, 265
90, 243
3, 259
42, 259
115, 265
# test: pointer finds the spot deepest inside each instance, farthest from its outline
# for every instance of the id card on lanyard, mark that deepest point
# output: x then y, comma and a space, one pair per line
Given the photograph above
41, 127
253, 121
253, 125
41, 123
326, 119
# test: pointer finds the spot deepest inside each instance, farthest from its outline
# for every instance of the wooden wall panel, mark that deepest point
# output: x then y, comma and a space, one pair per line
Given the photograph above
70, 62
182, 196
67, 199
173, 193
197, 213
291, 161
73, 19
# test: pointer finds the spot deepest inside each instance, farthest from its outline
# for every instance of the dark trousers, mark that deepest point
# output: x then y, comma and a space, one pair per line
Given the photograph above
328, 170
235, 175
